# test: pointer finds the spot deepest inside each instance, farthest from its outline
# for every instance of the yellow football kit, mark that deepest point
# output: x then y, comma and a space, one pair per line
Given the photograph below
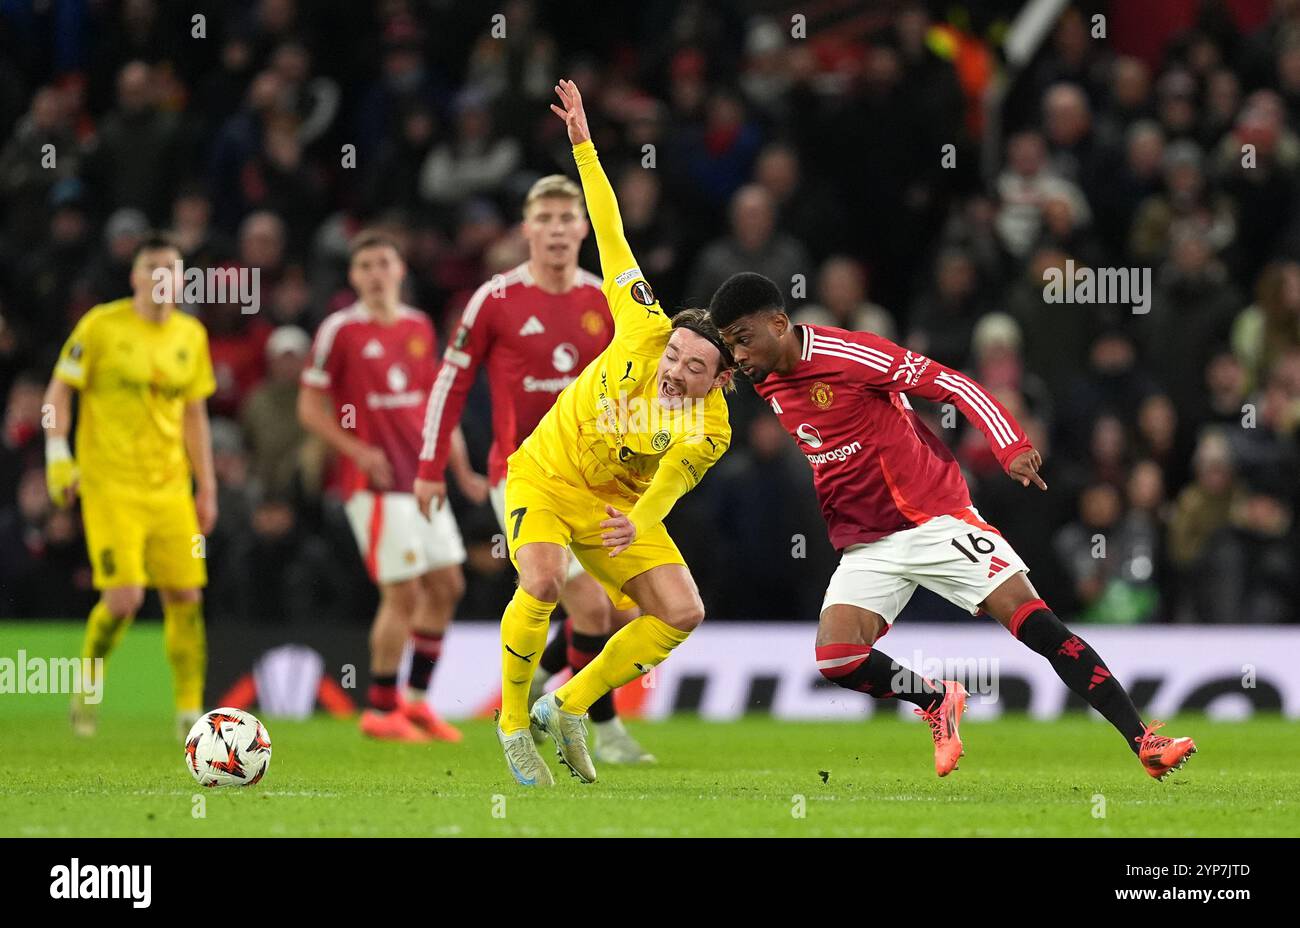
606, 441
134, 378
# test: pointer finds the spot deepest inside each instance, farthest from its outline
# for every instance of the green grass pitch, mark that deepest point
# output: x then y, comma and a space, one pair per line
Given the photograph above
752, 777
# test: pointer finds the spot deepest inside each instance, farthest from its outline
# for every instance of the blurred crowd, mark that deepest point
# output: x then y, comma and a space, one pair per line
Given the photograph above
860, 164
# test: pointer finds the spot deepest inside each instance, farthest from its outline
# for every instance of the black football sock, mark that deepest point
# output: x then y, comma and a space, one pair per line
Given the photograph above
426, 647
555, 657
1079, 667
861, 667
383, 692
582, 651
602, 710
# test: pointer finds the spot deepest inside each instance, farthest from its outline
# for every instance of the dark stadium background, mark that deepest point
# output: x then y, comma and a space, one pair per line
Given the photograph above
817, 156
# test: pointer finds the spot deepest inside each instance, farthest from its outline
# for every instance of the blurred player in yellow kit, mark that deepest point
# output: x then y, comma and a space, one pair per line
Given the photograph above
623, 442
143, 372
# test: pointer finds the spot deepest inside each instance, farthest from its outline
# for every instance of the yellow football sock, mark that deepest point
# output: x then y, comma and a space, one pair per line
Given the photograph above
187, 652
103, 632
523, 636
633, 650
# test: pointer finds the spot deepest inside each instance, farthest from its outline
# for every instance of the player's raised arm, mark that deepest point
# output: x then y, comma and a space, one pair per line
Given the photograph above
631, 301
891, 367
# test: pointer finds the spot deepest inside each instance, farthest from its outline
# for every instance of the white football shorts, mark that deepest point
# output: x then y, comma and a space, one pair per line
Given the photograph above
396, 542
963, 559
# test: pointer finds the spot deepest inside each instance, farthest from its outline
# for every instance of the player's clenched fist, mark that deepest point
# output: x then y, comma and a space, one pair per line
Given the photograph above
61, 473
1025, 469
574, 116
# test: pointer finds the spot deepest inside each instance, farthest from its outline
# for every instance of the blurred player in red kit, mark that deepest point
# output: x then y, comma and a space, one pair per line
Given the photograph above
535, 327
898, 510
363, 392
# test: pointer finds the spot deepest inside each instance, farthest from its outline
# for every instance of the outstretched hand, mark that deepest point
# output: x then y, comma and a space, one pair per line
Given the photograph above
574, 116
1025, 469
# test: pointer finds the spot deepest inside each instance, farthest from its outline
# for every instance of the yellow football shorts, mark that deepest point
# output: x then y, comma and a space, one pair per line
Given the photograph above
542, 508
143, 538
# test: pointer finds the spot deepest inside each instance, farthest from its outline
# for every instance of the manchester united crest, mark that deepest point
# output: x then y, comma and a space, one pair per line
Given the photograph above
822, 395
416, 347
593, 323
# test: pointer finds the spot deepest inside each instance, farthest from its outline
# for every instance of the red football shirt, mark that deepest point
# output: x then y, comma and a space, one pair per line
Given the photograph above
876, 467
534, 344
378, 375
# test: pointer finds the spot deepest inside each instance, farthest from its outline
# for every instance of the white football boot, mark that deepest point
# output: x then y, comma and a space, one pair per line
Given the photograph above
526, 764
615, 746
184, 722
570, 736
85, 718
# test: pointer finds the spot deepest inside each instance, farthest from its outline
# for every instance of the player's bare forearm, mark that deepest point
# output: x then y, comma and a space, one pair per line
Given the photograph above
198, 445
61, 474
58, 403
316, 414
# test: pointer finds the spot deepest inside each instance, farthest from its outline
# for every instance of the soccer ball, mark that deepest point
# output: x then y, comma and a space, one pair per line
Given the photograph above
228, 747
